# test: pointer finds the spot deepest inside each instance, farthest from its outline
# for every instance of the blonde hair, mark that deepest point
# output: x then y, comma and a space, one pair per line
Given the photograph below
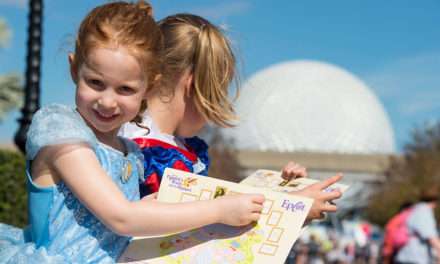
193, 43
122, 24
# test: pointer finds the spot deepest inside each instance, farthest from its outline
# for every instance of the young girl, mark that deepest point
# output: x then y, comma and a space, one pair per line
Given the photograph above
83, 179
199, 66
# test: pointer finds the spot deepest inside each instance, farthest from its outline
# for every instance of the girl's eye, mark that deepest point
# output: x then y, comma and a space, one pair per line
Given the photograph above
127, 90
96, 83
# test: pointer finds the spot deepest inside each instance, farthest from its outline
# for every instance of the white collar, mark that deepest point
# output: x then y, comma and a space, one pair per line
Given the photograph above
132, 130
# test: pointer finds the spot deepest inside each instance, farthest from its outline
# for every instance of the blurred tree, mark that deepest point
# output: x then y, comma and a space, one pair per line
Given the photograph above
13, 195
11, 93
417, 169
10, 90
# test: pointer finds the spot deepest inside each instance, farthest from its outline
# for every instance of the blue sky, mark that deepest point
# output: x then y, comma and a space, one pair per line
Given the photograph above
393, 46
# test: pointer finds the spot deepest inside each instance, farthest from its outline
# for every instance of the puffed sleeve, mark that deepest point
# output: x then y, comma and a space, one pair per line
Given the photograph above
57, 124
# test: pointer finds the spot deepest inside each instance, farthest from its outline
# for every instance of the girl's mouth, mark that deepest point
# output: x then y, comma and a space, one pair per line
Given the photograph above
105, 117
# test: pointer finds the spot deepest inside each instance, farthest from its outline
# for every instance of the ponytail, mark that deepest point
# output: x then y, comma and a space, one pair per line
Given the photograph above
193, 43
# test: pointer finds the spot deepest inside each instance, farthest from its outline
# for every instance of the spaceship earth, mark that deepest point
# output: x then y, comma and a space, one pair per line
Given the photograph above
310, 106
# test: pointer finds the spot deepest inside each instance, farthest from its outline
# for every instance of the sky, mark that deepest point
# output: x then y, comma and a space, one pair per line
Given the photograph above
392, 46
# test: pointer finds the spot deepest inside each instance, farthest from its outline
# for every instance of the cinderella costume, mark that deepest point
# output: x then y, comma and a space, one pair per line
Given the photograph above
163, 151
61, 229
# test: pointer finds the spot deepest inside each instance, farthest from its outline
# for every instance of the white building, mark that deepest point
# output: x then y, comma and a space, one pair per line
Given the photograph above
319, 115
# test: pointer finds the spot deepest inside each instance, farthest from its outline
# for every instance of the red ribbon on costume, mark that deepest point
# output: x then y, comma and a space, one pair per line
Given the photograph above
150, 142
153, 182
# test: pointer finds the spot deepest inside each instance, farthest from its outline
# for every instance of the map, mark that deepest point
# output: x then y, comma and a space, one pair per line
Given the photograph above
267, 241
272, 180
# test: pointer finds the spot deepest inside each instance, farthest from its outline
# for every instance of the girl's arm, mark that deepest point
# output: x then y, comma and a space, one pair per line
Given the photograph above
78, 167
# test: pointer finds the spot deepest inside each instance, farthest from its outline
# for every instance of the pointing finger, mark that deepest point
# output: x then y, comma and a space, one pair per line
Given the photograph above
328, 196
329, 208
327, 182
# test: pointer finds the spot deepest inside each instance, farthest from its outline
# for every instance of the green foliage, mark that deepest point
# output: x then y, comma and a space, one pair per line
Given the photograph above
11, 92
418, 169
13, 194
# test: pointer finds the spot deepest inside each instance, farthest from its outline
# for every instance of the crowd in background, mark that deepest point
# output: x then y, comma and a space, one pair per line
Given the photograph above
410, 236
355, 241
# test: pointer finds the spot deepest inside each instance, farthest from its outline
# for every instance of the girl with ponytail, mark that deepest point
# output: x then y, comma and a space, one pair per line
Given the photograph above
198, 68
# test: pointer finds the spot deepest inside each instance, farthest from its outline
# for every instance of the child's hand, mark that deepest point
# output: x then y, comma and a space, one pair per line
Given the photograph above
293, 170
322, 200
240, 209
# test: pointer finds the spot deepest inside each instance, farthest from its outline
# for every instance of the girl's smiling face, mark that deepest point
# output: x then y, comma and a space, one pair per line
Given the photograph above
110, 89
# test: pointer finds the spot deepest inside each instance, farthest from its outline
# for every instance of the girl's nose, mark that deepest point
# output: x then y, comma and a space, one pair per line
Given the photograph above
107, 101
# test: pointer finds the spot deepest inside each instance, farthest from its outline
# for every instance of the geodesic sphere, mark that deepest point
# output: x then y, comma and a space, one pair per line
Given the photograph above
310, 106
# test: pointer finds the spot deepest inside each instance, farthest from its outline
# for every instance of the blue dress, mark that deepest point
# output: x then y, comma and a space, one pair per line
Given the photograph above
61, 229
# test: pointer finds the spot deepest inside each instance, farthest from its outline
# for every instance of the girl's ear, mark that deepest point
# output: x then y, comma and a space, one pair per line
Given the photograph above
189, 84
73, 69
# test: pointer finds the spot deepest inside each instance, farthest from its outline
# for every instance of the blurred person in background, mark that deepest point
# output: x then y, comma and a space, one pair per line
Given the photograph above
396, 233
424, 243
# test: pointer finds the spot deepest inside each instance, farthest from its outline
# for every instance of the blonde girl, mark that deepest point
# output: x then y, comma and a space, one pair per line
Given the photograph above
199, 66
